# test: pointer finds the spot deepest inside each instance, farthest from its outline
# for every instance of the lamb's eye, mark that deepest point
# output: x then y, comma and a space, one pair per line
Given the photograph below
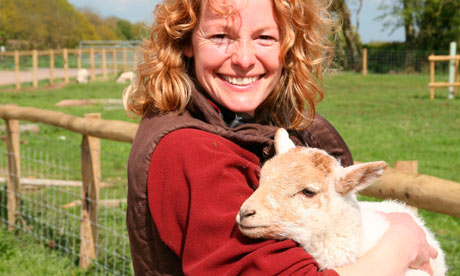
308, 192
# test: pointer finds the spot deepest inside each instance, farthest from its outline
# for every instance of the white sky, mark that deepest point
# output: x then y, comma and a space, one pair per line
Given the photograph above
141, 10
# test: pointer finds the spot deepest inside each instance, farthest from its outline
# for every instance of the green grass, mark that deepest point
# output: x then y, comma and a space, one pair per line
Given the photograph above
20, 254
381, 117
390, 117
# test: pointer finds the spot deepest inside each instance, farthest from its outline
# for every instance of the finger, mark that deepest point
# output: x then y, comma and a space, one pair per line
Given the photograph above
427, 268
433, 252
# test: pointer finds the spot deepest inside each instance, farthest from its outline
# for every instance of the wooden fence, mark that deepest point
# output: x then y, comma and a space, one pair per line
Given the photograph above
364, 62
433, 84
104, 52
423, 191
92, 129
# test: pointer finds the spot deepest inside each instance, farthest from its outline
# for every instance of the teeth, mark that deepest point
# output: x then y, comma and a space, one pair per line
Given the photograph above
240, 81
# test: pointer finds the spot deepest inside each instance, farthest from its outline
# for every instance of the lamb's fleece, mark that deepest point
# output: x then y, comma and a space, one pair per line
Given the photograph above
305, 195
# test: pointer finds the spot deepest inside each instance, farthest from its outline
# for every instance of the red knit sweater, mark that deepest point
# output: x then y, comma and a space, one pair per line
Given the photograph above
197, 182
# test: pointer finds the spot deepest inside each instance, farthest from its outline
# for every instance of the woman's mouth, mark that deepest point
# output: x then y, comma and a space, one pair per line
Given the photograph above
239, 81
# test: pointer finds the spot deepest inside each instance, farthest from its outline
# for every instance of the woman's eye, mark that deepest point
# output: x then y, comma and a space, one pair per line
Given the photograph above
266, 37
308, 192
218, 37
266, 40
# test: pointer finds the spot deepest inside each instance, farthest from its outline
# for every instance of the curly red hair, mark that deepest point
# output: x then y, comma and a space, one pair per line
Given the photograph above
165, 85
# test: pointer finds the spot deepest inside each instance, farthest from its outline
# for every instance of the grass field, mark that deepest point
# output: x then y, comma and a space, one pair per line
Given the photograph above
381, 117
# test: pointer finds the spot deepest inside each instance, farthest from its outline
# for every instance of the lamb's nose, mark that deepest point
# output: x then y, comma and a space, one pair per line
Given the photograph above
246, 213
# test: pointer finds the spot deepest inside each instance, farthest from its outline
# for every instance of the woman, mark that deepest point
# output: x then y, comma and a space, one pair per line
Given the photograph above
218, 78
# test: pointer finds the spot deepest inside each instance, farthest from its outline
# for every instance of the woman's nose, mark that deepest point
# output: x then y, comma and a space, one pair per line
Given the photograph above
244, 55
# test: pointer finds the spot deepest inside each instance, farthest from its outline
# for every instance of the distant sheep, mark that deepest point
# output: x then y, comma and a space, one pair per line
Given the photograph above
126, 77
82, 76
305, 195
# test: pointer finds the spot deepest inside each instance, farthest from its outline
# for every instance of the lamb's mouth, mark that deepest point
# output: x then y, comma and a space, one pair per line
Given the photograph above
255, 232
251, 227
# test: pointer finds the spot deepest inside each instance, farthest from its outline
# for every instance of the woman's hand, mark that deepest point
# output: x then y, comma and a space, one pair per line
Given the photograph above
405, 230
403, 245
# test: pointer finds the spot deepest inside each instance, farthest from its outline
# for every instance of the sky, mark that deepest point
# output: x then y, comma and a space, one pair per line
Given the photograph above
141, 11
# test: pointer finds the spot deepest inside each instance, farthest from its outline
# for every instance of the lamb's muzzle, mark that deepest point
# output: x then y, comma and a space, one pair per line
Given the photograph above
245, 213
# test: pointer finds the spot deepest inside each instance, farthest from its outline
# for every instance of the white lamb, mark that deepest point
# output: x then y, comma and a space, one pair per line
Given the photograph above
126, 77
82, 76
305, 195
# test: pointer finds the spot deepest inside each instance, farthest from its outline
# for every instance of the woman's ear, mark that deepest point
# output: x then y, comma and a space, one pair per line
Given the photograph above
188, 51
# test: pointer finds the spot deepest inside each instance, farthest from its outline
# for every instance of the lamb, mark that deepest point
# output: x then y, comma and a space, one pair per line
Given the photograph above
304, 194
126, 77
82, 76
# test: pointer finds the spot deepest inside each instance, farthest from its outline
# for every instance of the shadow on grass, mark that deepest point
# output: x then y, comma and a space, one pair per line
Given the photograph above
443, 96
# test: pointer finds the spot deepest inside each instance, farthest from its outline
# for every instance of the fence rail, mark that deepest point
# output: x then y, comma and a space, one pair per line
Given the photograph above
100, 128
93, 236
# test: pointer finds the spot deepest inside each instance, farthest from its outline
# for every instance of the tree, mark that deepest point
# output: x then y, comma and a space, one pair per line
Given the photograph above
45, 23
439, 25
125, 29
140, 31
428, 24
350, 35
102, 26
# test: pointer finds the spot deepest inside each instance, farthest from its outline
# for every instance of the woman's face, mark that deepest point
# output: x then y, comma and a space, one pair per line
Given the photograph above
237, 57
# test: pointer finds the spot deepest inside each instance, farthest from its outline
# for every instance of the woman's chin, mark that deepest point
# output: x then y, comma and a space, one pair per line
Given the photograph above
241, 106
249, 111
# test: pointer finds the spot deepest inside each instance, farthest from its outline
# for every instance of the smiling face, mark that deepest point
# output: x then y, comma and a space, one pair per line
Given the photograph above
237, 57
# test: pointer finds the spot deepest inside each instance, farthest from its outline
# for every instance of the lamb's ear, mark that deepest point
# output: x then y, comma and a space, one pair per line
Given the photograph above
282, 141
358, 177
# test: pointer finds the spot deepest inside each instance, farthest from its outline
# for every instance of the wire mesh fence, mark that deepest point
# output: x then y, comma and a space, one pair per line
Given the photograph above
51, 199
391, 62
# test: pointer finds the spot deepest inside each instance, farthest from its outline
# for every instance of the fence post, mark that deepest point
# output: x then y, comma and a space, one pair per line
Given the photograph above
456, 77
17, 69
14, 171
364, 62
114, 61
79, 59
452, 53
91, 175
134, 59
35, 68
104, 65
432, 74
91, 61
66, 65
125, 63
51, 67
